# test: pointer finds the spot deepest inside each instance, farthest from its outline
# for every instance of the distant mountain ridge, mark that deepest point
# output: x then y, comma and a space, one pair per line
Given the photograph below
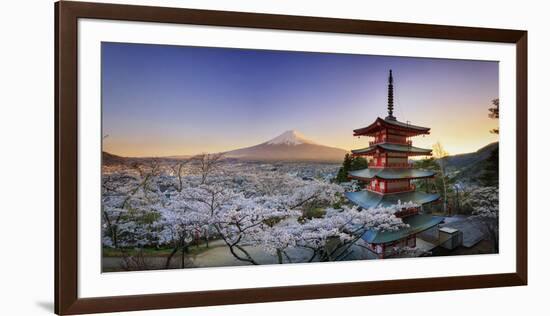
464, 160
110, 159
289, 146
469, 166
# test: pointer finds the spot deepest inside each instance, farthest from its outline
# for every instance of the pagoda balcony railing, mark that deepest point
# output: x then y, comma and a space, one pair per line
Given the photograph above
404, 212
378, 189
391, 165
382, 140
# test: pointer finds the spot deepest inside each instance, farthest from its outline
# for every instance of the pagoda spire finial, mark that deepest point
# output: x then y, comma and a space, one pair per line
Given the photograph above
390, 98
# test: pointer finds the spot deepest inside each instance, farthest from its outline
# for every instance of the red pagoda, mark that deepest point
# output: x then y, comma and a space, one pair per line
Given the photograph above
388, 180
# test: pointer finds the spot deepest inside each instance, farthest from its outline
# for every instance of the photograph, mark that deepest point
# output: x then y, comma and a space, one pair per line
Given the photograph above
224, 157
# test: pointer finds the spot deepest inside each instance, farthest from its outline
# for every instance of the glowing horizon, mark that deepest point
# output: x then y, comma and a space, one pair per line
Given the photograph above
174, 100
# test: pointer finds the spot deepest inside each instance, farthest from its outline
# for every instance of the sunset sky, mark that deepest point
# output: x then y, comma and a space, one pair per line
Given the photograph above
163, 100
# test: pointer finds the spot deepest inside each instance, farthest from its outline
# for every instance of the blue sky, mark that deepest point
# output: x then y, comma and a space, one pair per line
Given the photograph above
162, 100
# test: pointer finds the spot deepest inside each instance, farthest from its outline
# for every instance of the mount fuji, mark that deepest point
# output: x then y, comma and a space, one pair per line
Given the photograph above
289, 146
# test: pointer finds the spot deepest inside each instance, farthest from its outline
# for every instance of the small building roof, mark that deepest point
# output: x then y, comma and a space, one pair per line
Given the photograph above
391, 173
417, 224
392, 147
367, 199
448, 230
471, 232
381, 123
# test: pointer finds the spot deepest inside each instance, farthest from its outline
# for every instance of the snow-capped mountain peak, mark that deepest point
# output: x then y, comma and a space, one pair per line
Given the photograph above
289, 146
292, 137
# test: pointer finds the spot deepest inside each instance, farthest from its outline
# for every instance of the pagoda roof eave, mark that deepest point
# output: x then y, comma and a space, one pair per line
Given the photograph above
390, 147
416, 224
390, 173
380, 123
367, 199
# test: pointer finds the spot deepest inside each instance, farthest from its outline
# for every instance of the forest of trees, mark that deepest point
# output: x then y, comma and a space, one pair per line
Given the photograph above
173, 205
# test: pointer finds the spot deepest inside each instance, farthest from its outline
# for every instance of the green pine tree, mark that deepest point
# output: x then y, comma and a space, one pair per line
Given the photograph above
358, 163
489, 175
350, 164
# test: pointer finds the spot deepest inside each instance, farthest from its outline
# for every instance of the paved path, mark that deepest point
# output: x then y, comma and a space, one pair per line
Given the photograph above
218, 255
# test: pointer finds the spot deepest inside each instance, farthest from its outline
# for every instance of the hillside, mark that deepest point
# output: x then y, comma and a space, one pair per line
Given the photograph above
467, 167
464, 160
109, 159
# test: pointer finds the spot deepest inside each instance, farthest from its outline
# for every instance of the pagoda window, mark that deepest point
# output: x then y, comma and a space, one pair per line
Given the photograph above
398, 162
373, 184
392, 138
379, 137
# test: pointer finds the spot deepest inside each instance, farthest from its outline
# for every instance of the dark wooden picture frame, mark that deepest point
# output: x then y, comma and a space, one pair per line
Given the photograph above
66, 156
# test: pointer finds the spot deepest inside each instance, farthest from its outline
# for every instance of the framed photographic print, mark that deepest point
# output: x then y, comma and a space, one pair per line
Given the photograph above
209, 157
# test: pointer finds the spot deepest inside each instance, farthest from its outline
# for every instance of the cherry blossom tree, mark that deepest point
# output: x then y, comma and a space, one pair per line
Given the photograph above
206, 164
440, 153
128, 195
178, 171
328, 238
181, 224
485, 204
